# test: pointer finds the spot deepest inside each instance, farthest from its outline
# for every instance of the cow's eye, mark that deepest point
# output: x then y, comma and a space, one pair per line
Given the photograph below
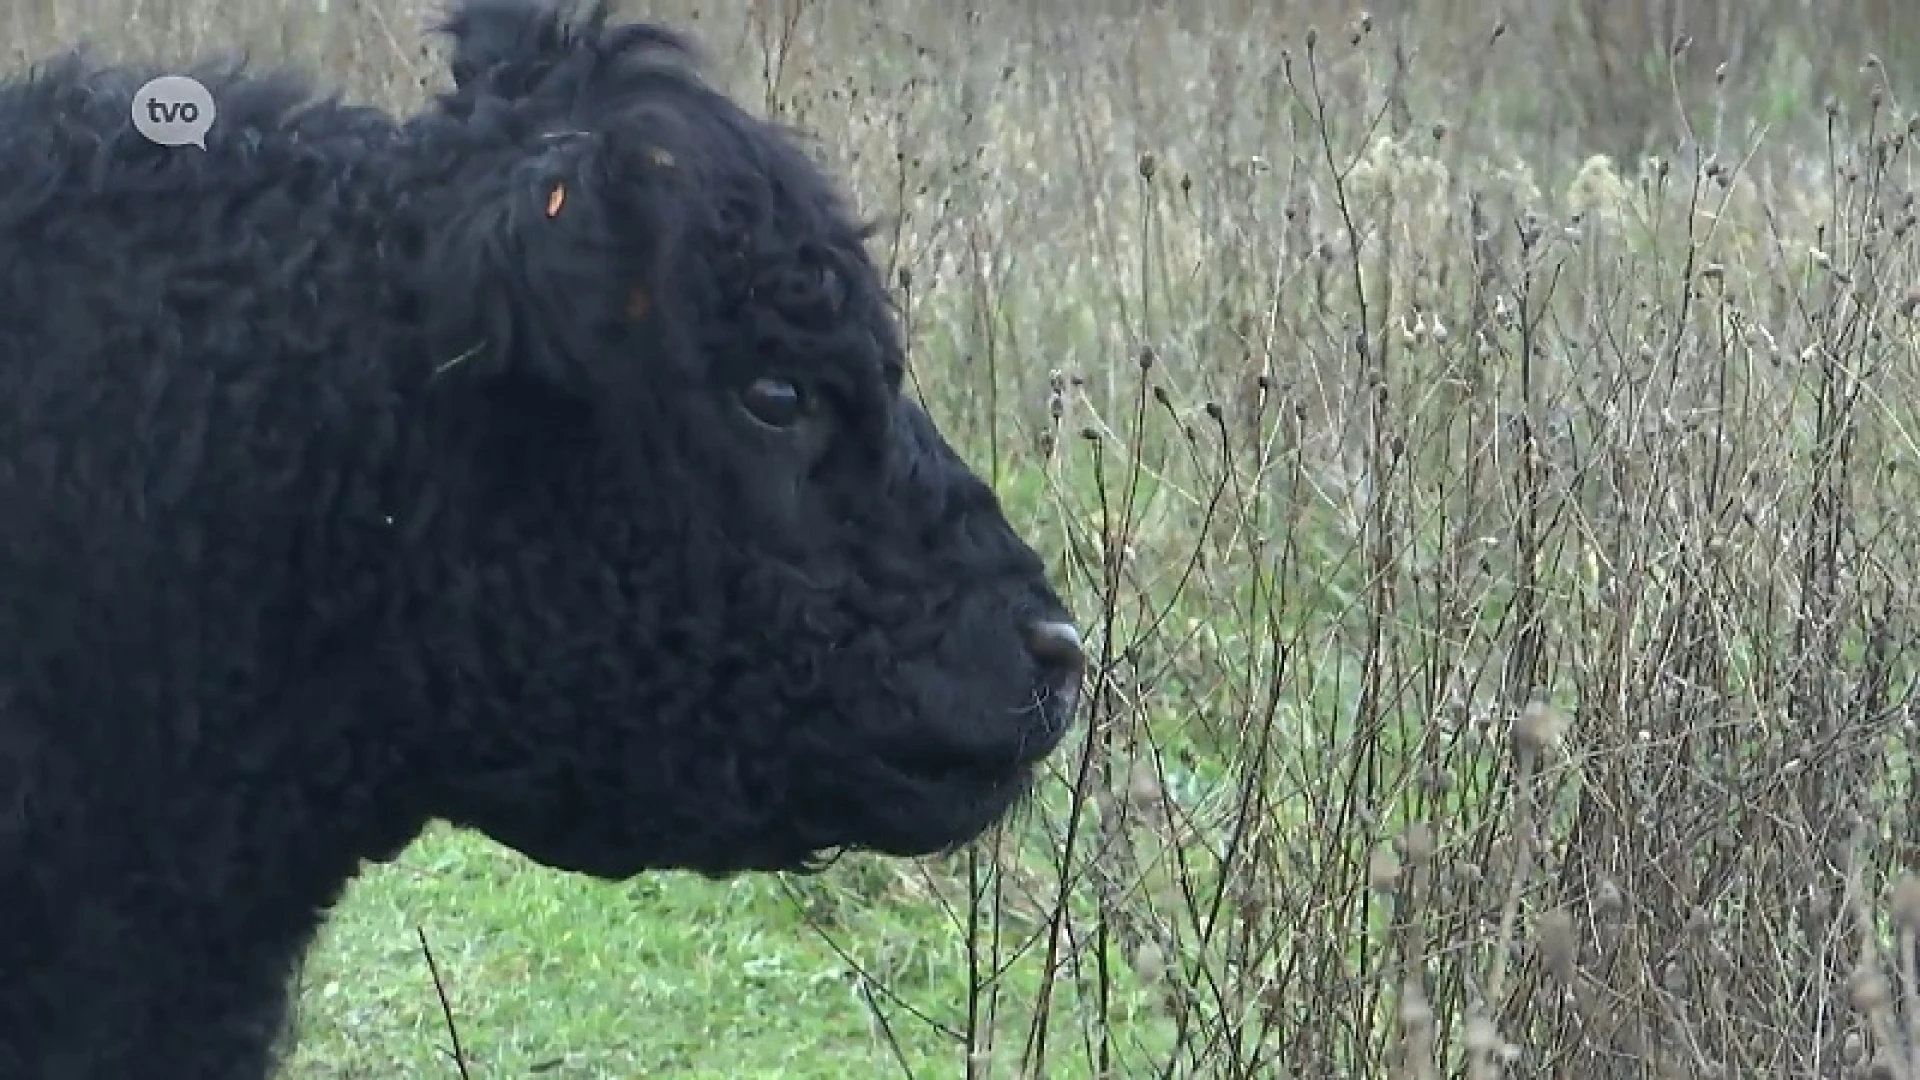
776, 403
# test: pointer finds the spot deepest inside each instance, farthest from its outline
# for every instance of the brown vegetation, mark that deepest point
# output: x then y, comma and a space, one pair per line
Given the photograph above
1483, 446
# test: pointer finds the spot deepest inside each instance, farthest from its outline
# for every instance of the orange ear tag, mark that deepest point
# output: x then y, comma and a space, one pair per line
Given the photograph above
556, 199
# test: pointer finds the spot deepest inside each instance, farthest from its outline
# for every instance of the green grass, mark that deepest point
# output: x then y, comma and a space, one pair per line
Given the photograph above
558, 975
1331, 589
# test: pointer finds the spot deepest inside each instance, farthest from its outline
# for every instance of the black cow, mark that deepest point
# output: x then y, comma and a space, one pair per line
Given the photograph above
538, 463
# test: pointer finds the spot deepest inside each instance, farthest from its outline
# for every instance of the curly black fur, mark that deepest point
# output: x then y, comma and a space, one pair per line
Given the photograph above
537, 463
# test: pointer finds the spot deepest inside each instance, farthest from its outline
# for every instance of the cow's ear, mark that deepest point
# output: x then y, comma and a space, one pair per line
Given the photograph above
507, 46
543, 262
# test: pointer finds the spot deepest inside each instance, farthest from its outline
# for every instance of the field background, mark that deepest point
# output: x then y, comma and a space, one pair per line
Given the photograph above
1479, 439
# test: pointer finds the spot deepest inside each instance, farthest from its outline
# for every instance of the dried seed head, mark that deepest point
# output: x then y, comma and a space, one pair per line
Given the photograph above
1143, 785
1415, 1014
1150, 963
1148, 165
1852, 1049
1699, 923
1417, 844
1482, 1036
1146, 357
1674, 979
1383, 870
1906, 903
1559, 947
1869, 991
1539, 728
1590, 1007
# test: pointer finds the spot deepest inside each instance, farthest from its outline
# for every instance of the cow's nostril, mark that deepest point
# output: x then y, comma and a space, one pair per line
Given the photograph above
1056, 647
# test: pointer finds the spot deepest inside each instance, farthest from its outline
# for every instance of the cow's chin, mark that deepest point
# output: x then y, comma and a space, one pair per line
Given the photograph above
946, 812
903, 810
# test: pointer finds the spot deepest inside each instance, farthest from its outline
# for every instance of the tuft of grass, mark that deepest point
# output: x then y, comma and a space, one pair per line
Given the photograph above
1481, 453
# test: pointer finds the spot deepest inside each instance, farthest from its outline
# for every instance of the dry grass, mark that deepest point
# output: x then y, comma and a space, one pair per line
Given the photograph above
1500, 555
